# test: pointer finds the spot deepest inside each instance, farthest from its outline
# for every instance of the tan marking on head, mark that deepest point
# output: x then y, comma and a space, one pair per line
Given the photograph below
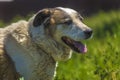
1, 51
52, 21
59, 16
1, 46
46, 11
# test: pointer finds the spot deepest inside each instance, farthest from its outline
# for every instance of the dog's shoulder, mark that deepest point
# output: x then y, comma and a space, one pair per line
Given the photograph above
18, 30
15, 27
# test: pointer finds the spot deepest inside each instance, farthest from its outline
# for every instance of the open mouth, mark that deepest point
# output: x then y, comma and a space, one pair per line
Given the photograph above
75, 45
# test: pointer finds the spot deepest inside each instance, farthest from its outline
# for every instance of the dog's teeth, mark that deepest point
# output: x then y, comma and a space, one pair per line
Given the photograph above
85, 44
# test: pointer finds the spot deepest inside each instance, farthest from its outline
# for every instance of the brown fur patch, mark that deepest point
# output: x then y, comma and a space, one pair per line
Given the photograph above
59, 16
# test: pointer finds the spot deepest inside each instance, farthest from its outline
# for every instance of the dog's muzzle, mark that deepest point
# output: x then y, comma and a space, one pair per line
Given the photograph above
77, 46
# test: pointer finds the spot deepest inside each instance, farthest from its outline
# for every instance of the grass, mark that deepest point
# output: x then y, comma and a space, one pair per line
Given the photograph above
102, 60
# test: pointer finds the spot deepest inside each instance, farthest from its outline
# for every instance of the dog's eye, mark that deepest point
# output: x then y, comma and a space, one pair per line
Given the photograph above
80, 17
68, 22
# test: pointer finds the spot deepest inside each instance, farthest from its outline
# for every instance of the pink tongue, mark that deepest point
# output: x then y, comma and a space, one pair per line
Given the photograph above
81, 47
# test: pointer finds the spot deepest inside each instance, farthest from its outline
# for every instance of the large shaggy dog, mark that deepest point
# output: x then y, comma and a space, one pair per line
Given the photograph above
31, 49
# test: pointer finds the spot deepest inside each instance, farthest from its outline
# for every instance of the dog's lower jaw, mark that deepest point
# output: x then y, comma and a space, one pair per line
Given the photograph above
56, 50
63, 56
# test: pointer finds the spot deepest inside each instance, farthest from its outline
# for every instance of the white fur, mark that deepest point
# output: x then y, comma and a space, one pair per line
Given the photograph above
68, 10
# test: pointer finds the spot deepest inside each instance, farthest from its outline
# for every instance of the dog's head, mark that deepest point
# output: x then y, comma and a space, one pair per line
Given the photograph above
59, 30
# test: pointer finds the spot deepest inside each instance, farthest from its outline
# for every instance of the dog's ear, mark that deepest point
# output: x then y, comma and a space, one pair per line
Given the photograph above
41, 16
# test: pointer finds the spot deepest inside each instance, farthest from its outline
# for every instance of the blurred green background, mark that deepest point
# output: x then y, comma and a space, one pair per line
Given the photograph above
102, 61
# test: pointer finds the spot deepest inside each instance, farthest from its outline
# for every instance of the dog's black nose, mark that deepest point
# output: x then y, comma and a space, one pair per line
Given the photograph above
88, 33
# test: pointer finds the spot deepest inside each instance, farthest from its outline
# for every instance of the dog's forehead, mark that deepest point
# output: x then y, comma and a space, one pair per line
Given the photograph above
60, 14
69, 11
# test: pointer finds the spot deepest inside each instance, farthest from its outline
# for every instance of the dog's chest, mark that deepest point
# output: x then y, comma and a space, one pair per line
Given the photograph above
32, 64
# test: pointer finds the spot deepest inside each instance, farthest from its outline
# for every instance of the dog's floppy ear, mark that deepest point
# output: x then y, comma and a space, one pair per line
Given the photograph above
41, 16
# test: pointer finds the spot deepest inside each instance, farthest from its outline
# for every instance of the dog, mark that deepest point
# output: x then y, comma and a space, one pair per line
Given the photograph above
32, 48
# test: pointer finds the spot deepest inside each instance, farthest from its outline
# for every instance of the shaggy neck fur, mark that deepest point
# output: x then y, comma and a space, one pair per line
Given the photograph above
31, 62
